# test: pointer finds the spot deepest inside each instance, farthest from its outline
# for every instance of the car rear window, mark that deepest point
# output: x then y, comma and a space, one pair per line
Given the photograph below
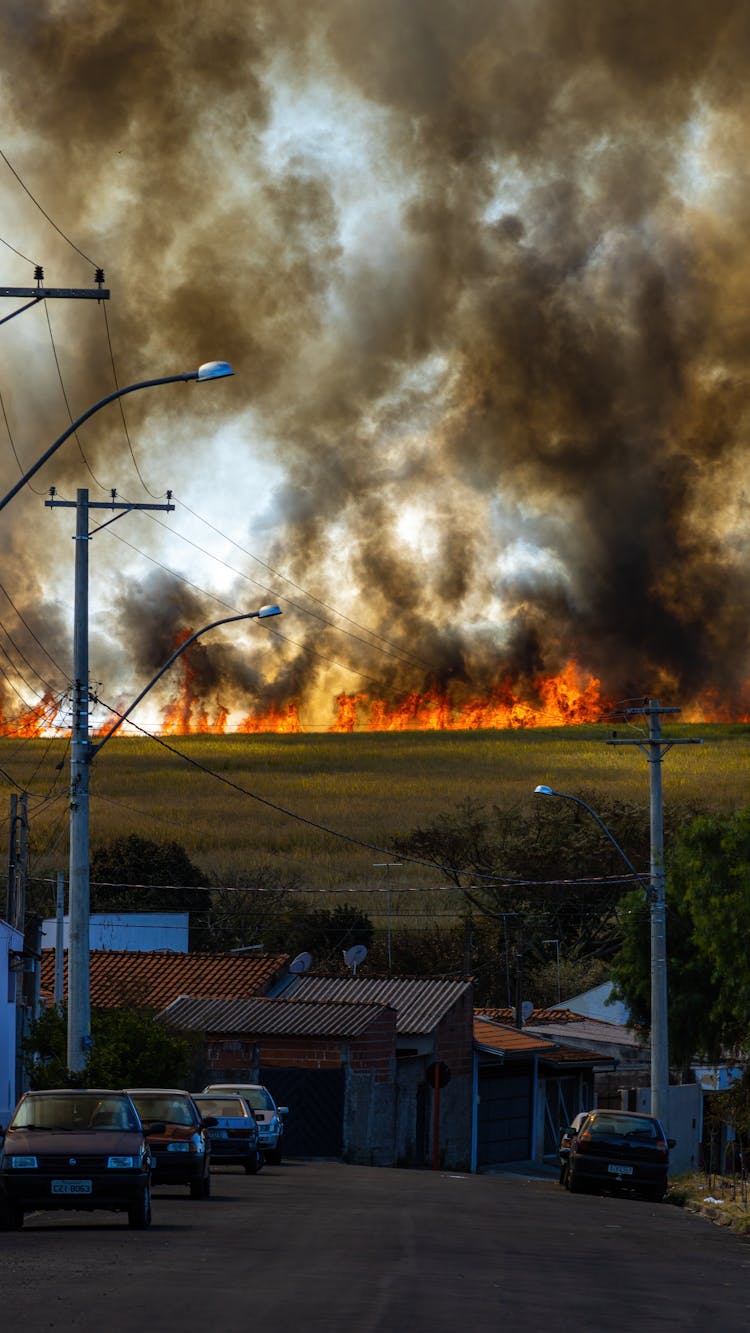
222, 1106
627, 1127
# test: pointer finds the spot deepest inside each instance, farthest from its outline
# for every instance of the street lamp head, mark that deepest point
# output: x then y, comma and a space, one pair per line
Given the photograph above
214, 370
544, 791
268, 611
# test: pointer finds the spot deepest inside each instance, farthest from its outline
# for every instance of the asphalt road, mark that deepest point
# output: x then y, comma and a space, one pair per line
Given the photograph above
320, 1246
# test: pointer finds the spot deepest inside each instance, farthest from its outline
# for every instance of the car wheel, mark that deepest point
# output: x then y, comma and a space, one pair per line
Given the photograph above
274, 1156
573, 1183
251, 1165
198, 1189
139, 1213
654, 1193
564, 1175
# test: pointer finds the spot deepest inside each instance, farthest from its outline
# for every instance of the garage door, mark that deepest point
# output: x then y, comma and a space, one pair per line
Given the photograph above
504, 1117
314, 1126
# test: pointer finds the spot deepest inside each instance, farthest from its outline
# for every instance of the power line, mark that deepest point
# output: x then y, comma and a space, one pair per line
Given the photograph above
46, 215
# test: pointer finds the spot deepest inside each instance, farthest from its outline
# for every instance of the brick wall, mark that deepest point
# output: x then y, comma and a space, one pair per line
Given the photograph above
375, 1051
454, 1039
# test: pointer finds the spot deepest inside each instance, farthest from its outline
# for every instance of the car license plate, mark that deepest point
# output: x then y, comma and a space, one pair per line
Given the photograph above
71, 1187
217, 1133
620, 1170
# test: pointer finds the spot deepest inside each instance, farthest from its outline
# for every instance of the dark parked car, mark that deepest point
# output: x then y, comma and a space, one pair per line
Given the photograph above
566, 1138
233, 1132
78, 1149
177, 1137
621, 1149
269, 1116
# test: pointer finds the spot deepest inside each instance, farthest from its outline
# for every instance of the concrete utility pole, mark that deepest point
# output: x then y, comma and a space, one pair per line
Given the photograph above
654, 749
79, 1004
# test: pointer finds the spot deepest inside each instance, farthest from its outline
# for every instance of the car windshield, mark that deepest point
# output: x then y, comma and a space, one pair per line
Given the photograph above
222, 1106
74, 1111
626, 1127
173, 1110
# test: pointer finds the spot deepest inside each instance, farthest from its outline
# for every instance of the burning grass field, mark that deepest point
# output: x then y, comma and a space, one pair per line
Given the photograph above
368, 786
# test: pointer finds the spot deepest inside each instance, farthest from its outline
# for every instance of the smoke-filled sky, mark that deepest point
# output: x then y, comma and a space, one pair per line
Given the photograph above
481, 269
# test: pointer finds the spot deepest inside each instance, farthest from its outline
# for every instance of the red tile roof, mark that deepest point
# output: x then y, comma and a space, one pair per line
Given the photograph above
536, 1016
153, 979
497, 1037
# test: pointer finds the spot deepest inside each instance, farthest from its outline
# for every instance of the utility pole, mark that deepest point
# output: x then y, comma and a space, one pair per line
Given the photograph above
79, 1003
17, 840
387, 866
654, 749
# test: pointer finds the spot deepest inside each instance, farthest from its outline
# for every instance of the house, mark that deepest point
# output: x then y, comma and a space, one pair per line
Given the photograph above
333, 1063
527, 1088
134, 931
355, 1052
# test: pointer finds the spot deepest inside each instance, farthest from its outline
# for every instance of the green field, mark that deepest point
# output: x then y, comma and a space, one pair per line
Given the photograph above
372, 787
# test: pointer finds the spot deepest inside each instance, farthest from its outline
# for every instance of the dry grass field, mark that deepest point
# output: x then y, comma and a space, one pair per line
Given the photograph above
372, 787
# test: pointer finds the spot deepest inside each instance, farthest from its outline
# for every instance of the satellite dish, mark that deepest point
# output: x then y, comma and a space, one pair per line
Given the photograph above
302, 963
354, 956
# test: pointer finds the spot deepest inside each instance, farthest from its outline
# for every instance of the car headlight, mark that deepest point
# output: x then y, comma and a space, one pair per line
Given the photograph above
178, 1147
29, 1163
122, 1162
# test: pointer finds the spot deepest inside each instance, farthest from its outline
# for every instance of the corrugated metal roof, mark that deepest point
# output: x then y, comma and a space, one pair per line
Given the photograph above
265, 1018
154, 979
420, 1002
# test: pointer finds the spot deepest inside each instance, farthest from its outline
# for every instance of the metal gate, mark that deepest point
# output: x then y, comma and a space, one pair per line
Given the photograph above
504, 1117
314, 1126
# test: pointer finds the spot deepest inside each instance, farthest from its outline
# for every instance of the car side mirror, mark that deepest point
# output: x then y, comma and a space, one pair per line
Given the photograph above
671, 1143
282, 1110
209, 1121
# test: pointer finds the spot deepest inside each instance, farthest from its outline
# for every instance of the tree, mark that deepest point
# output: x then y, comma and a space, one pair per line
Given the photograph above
708, 903
134, 874
128, 1049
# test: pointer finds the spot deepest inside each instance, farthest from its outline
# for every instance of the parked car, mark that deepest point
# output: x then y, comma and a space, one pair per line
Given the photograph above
563, 1151
80, 1149
178, 1138
233, 1132
620, 1149
269, 1116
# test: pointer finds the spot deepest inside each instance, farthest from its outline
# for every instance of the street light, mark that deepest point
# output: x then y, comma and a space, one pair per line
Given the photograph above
210, 370
659, 1020
82, 756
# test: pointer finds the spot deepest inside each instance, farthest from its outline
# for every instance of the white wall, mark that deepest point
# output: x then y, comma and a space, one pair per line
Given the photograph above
128, 931
10, 939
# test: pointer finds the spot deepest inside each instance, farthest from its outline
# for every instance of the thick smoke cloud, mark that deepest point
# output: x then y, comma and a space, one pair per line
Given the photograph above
490, 319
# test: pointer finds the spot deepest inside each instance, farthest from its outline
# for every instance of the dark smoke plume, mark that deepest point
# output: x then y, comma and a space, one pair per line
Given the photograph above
489, 320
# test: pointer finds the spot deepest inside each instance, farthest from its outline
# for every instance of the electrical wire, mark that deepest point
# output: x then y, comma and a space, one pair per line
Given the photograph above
44, 214
13, 447
88, 466
20, 254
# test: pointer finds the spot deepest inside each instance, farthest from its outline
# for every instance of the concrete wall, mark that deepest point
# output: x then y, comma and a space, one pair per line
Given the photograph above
685, 1122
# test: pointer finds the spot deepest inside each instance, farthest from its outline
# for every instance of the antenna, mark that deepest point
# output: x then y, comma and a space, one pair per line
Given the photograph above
354, 956
302, 963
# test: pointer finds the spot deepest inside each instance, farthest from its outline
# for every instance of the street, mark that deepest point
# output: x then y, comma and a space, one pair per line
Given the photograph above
322, 1246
